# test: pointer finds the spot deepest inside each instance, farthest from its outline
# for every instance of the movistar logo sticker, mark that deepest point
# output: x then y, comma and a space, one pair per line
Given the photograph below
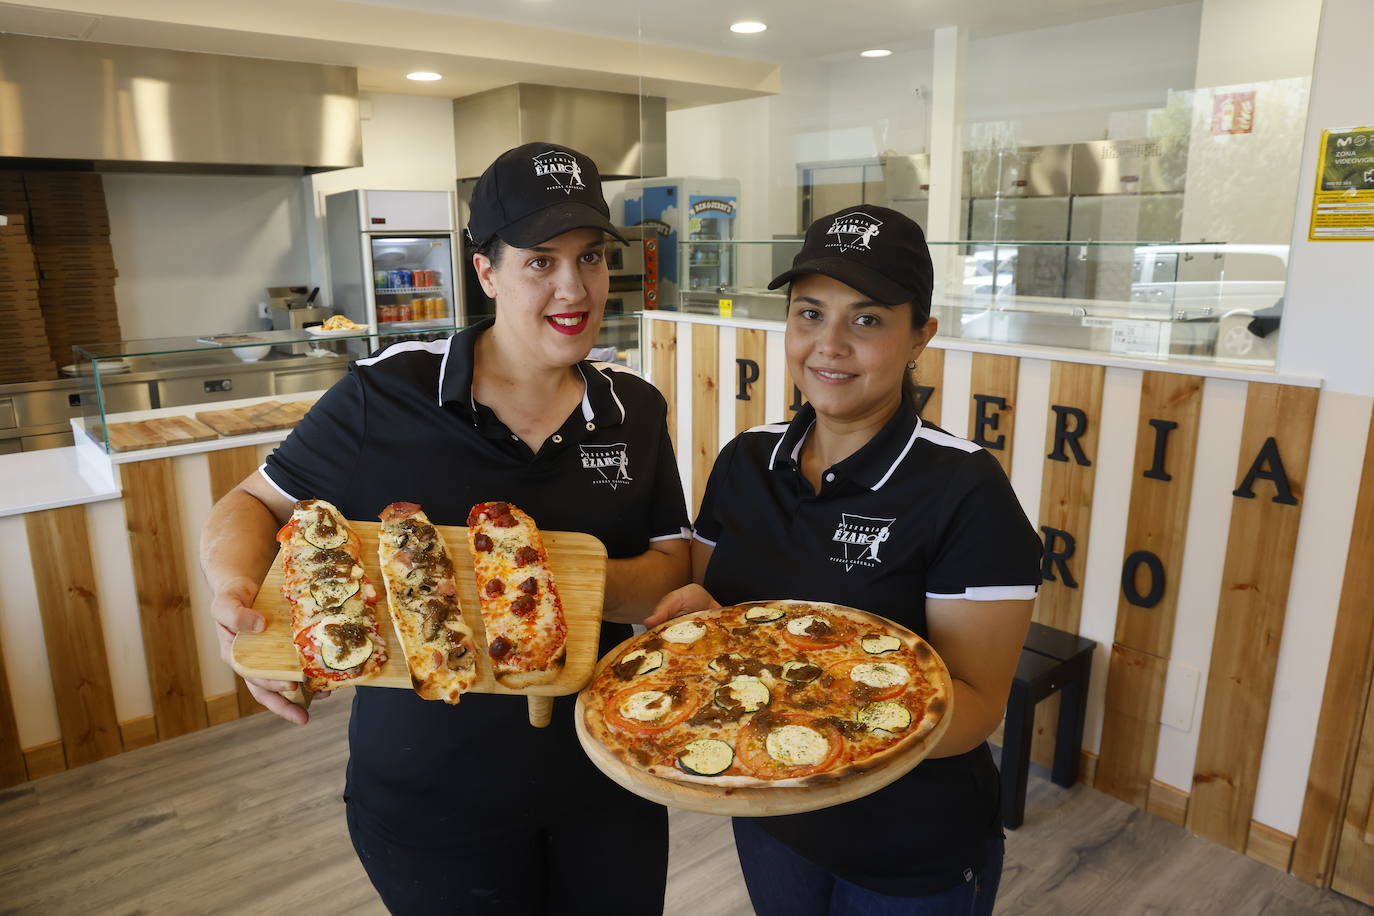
611, 463
562, 169
860, 537
853, 232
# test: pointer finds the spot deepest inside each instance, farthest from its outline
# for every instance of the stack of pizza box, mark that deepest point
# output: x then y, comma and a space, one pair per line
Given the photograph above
71, 237
24, 351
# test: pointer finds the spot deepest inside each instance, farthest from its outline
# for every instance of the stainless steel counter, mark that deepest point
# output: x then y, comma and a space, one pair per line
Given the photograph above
37, 415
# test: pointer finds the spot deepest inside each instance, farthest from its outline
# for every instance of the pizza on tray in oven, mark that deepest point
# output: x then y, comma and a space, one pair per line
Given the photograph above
768, 693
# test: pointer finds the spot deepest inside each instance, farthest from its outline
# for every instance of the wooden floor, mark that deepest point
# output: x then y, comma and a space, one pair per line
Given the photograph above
217, 822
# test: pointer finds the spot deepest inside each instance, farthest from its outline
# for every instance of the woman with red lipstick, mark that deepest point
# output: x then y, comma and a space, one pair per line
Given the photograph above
467, 809
862, 503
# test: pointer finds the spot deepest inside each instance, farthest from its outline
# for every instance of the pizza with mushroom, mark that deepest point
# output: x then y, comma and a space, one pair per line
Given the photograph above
768, 693
422, 597
523, 617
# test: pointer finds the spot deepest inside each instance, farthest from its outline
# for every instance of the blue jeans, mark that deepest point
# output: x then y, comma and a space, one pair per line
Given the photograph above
783, 883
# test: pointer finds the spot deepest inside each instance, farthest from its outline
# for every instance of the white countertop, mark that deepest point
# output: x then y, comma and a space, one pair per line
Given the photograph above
49, 479
83, 473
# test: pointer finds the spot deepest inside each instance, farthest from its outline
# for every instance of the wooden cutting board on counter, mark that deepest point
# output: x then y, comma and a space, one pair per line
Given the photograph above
127, 437
578, 563
255, 418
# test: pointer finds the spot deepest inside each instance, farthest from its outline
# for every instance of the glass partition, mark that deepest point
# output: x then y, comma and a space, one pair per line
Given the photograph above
1120, 183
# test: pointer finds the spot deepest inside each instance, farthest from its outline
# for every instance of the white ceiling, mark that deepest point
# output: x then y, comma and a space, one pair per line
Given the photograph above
796, 28
680, 49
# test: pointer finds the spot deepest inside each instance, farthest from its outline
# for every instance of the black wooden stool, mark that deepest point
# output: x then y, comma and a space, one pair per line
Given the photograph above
1051, 660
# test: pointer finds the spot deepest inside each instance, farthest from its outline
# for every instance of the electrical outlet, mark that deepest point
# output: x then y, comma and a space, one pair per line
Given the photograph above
1180, 696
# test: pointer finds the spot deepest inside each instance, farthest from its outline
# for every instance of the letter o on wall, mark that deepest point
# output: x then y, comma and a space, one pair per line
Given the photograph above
1128, 576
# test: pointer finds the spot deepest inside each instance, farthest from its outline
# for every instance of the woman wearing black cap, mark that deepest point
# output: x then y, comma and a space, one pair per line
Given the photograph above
864, 504
468, 809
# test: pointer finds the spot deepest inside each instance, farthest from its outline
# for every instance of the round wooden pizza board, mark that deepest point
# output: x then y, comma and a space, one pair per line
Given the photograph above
764, 801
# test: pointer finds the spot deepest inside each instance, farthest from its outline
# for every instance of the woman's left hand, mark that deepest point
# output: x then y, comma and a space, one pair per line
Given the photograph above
685, 600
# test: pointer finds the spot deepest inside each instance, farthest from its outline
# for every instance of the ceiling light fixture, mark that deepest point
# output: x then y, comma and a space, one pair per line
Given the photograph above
748, 28
424, 76
875, 52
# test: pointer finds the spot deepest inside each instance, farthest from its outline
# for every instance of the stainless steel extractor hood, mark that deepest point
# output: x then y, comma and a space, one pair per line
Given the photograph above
147, 109
625, 135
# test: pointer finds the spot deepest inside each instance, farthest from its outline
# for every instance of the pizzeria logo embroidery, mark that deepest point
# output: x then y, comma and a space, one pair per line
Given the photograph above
562, 169
611, 463
853, 232
861, 537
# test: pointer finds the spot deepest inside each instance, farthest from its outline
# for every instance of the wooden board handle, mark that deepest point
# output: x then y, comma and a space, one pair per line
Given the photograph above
300, 696
541, 711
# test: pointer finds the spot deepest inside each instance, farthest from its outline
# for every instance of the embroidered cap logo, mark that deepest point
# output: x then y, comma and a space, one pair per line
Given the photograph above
562, 169
611, 462
861, 537
853, 232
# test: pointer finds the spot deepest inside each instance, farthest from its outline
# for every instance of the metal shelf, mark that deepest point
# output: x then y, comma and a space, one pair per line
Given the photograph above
407, 290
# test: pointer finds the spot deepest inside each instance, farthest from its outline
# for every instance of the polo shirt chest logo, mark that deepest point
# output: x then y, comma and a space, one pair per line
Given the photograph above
859, 537
561, 169
611, 463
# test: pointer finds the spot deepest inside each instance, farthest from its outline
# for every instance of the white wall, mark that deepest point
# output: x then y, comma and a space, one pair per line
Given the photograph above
1329, 313
408, 145
196, 252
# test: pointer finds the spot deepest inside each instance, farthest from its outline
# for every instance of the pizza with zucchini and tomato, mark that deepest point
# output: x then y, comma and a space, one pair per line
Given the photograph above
769, 693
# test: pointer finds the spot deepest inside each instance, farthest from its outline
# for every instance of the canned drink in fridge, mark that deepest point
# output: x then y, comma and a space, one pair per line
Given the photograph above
407, 278
381, 279
420, 279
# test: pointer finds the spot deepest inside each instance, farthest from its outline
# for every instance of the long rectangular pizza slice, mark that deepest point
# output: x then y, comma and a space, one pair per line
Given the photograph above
333, 619
526, 631
423, 600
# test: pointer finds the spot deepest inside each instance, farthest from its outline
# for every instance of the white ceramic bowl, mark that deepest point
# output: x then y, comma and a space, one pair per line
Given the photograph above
251, 354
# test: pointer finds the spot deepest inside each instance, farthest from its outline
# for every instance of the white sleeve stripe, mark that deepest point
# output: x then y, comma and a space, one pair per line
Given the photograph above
703, 540
991, 593
683, 534
265, 476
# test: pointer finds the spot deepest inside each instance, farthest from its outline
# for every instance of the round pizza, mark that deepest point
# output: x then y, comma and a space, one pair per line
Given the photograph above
768, 693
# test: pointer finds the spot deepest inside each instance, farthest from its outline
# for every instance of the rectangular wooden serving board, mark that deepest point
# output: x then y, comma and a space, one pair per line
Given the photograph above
578, 562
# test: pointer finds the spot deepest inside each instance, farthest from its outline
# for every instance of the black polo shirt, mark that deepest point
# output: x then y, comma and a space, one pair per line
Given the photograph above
403, 425
915, 513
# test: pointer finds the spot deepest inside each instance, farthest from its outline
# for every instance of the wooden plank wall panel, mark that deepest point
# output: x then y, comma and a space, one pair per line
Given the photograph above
1066, 494
1066, 498
1352, 870
64, 577
1157, 523
169, 641
1348, 677
930, 373
995, 377
1130, 724
663, 342
227, 468
1250, 613
221, 708
705, 407
751, 344
1272, 847
12, 769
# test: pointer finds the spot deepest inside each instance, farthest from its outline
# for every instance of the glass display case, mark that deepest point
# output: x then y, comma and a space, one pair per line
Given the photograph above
135, 376
1213, 302
124, 381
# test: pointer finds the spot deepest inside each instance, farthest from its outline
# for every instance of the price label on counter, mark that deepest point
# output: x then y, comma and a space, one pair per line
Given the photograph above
1134, 338
727, 308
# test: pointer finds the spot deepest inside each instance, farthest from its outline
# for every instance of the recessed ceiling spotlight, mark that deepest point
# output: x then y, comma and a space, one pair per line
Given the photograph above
748, 28
875, 52
424, 76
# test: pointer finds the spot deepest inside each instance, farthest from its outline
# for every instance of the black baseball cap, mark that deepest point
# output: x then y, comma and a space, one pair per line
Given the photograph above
880, 252
537, 191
